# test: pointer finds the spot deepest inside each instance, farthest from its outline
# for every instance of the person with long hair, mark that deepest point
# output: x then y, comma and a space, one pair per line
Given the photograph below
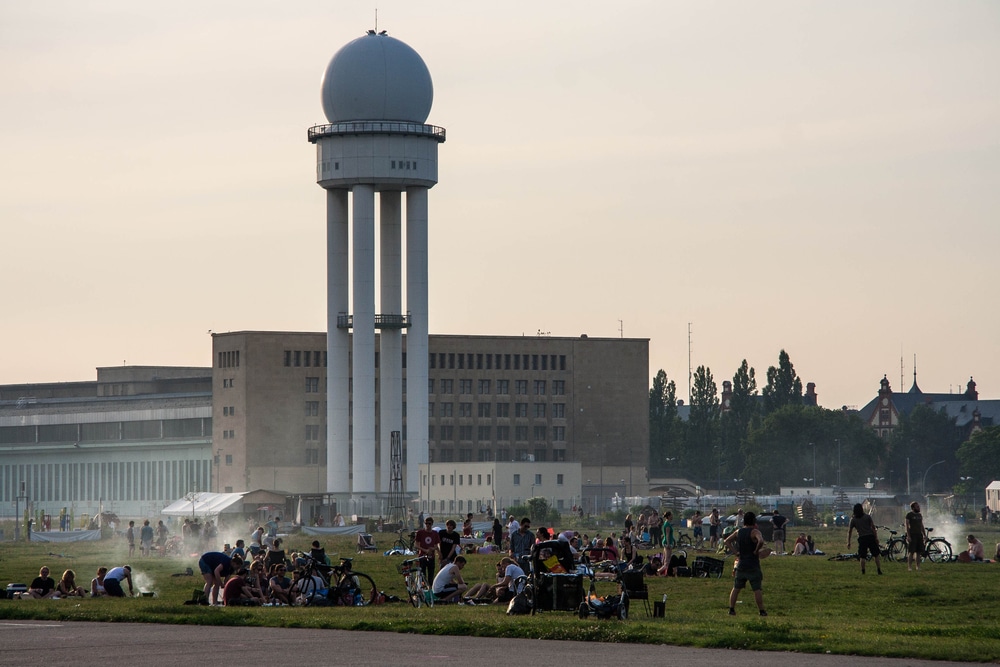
67, 586
914, 536
867, 537
97, 583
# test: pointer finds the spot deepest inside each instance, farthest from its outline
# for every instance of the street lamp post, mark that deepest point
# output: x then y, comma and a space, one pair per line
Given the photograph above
838, 462
814, 462
630, 471
923, 490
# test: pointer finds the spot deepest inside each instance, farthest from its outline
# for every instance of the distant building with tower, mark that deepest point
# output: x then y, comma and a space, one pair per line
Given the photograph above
970, 413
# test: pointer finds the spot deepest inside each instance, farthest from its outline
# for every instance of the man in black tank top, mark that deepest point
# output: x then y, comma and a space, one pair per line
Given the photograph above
749, 543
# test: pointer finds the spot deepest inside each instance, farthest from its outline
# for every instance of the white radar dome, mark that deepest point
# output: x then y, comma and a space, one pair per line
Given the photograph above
377, 77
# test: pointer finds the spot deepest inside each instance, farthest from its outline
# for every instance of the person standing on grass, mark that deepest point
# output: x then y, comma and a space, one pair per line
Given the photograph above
914, 536
867, 537
714, 523
668, 537
778, 521
427, 542
130, 538
146, 538
215, 567
750, 549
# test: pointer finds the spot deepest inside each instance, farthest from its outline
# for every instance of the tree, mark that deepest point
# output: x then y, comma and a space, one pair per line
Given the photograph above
664, 424
783, 386
979, 456
736, 421
743, 406
703, 426
921, 439
798, 444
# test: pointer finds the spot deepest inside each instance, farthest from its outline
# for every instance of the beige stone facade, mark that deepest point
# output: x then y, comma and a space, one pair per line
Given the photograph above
492, 398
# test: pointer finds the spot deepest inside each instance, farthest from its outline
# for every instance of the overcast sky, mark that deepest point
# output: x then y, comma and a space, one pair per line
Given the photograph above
818, 177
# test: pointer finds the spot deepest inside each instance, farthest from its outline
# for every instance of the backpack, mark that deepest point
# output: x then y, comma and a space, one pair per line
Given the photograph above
519, 604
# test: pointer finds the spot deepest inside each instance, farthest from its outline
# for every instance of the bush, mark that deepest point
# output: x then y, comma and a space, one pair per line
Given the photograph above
538, 509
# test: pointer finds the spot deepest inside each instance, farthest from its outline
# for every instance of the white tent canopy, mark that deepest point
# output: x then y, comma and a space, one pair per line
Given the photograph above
202, 504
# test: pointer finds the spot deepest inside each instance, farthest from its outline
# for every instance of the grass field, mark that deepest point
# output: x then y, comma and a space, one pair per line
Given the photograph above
945, 611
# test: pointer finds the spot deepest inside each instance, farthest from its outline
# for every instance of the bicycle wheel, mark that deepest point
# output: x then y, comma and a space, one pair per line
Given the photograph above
413, 581
304, 588
364, 586
897, 550
938, 550
684, 540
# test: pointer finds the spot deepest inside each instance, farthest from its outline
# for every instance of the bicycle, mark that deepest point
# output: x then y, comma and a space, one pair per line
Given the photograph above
417, 589
936, 549
404, 545
345, 586
895, 548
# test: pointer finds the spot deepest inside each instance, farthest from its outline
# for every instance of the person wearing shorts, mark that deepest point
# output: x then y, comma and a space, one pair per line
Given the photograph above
867, 537
749, 543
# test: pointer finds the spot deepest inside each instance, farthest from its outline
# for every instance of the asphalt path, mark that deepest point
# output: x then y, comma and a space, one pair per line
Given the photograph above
113, 644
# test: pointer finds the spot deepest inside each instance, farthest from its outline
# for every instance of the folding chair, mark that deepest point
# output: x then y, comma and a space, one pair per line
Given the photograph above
634, 585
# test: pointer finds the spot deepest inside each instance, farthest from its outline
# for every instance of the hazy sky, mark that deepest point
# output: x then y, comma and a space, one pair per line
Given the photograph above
818, 177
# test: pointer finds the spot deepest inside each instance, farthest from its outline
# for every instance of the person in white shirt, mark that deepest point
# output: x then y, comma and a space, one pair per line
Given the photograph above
448, 584
509, 585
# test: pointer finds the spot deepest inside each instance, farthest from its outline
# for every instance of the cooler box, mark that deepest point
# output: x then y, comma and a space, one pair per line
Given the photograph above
16, 588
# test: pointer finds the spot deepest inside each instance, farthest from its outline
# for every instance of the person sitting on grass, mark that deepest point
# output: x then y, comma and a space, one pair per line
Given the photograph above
236, 592
801, 546
976, 550
448, 585
257, 581
508, 585
67, 586
43, 586
280, 585
97, 583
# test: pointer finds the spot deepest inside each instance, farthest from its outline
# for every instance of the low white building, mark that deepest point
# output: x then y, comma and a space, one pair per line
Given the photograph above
457, 488
993, 496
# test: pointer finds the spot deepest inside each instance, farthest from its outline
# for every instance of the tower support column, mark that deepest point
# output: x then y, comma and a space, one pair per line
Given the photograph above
417, 372
363, 364
338, 344
390, 337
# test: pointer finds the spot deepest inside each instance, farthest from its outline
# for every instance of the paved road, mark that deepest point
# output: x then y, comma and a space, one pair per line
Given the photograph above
138, 644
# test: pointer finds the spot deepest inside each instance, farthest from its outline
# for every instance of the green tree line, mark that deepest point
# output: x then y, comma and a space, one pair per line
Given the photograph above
767, 438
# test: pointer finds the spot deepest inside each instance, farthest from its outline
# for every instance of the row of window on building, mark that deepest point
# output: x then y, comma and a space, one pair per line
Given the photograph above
485, 455
501, 411
110, 481
147, 429
437, 360
484, 433
466, 479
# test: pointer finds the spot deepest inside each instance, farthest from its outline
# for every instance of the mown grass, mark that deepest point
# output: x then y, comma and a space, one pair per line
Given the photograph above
944, 612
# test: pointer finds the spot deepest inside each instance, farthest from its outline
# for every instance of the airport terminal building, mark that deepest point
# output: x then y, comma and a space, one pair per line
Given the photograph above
139, 438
